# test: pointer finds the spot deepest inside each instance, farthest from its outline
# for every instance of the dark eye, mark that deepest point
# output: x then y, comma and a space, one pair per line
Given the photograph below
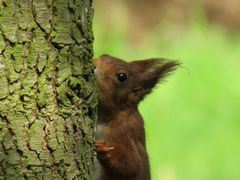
121, 77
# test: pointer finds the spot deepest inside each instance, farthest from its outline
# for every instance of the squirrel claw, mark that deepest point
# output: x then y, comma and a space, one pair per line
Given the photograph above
102, 149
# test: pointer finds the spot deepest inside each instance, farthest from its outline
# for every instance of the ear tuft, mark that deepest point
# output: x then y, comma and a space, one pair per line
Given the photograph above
146, 65
158, 72
153, 70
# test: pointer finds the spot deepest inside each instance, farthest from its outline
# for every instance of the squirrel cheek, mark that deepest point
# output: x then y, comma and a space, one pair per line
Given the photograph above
106, 90
133, 97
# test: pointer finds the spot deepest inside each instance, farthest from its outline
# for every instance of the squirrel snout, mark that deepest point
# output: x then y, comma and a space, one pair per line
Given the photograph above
96, 70
96, 67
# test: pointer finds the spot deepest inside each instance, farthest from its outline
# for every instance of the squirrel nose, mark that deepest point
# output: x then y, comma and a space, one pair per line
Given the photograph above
95, 64
95, 71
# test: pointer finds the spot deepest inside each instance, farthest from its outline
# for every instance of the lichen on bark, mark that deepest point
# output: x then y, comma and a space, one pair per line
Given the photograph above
47, 89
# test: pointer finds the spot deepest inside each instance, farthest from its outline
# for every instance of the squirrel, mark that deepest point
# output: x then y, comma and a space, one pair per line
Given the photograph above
120, 136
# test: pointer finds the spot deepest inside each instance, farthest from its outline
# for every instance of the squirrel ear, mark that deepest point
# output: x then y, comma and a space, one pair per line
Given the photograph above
151, 71
143, 66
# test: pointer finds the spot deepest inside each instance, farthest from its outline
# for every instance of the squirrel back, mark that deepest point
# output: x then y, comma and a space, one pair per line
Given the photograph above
120, 137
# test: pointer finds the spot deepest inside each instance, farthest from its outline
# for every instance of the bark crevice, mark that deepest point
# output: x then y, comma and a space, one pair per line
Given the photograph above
47, 89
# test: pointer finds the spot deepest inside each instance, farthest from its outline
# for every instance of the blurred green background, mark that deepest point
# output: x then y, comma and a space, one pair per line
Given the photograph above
192, 120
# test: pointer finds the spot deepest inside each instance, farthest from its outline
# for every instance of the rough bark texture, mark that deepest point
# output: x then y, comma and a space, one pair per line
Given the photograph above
47, 89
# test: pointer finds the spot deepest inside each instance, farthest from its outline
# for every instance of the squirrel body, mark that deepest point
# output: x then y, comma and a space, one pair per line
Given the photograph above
120, 137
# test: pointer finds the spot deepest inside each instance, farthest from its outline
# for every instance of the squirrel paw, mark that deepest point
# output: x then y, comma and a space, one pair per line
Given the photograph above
102, 150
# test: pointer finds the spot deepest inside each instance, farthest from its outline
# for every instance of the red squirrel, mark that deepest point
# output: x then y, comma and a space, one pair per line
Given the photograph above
120, 136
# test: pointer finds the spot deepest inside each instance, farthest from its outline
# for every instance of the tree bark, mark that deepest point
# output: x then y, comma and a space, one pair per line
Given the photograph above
47, 89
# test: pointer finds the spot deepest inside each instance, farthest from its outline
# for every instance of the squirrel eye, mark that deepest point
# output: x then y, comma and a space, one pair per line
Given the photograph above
121, 77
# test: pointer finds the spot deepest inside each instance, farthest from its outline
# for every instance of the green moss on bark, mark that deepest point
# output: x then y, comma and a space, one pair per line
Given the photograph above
47, 89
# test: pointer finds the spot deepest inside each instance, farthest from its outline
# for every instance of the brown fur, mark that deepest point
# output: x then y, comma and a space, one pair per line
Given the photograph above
120, 144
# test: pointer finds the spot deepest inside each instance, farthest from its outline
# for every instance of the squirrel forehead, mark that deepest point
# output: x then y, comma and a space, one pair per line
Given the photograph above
110, 64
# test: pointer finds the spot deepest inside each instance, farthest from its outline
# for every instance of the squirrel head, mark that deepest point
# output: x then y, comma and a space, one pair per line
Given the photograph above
124, 84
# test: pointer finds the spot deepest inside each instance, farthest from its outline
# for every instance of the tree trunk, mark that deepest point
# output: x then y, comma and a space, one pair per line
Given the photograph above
47, 89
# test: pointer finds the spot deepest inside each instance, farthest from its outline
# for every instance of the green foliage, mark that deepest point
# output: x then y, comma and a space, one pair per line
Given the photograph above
192, 119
